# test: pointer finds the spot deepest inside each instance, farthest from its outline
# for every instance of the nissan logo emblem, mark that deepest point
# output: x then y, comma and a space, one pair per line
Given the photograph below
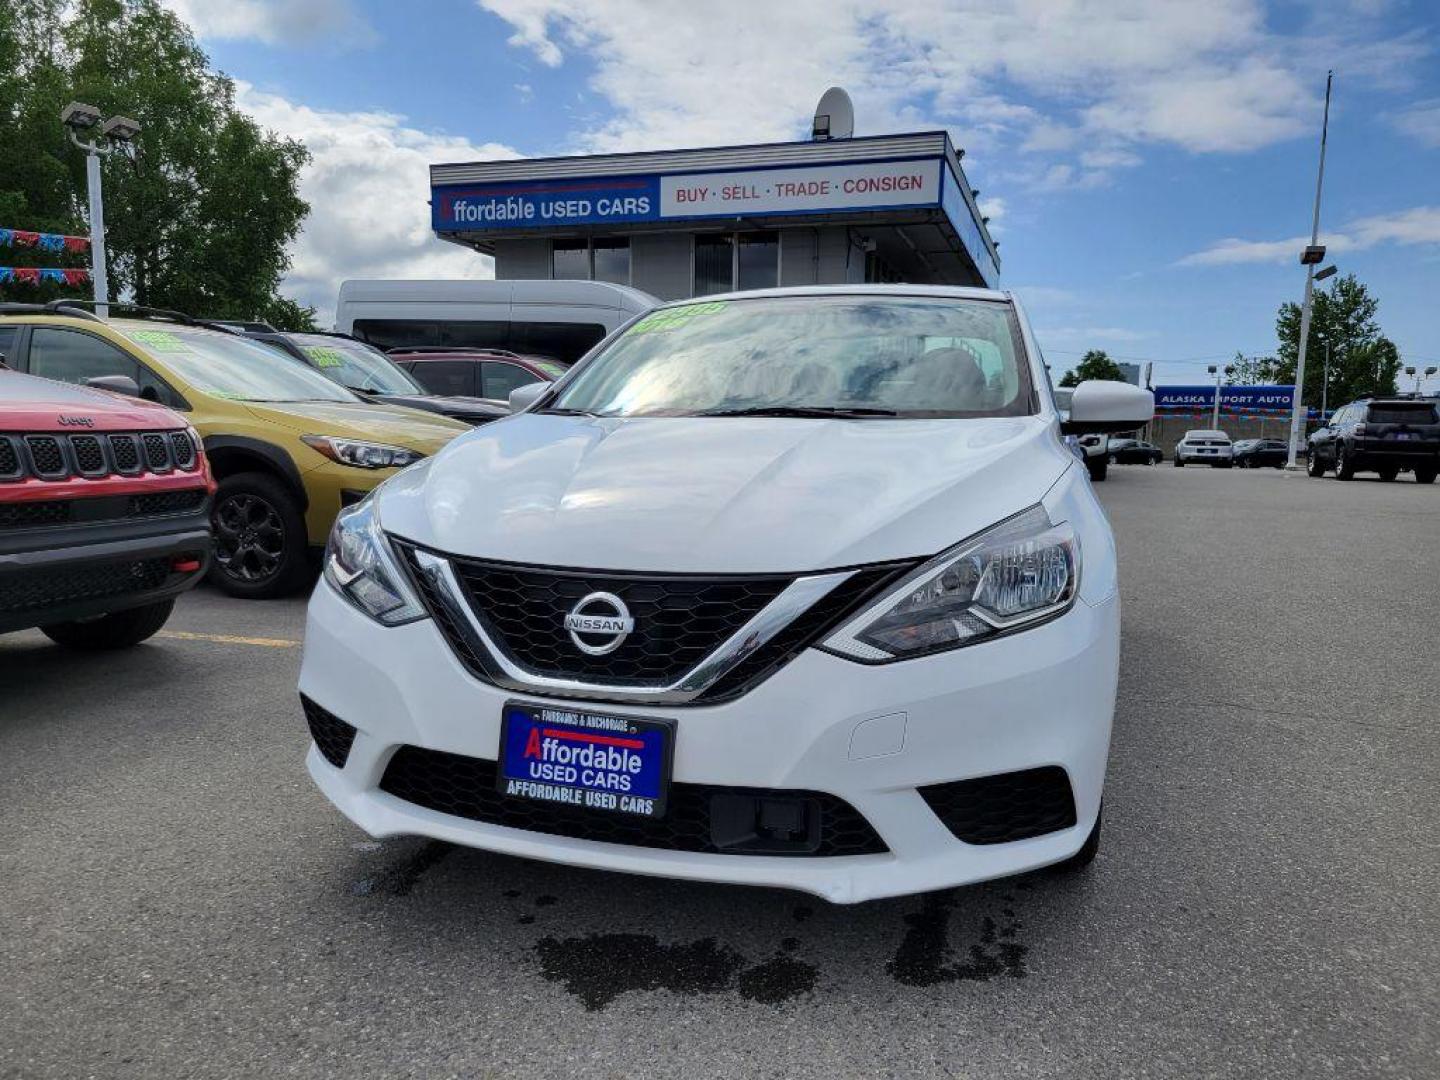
599, 623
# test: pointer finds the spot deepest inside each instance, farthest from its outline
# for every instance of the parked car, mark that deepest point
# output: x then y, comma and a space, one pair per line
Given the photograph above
1381, 435
563, 319
1260, 453
484, 373
1205, 446
369, 373
1135, 452
104, 511
288, 447
843, 623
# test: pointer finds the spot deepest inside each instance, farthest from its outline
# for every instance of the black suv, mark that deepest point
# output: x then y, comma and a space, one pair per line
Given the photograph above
1382, 435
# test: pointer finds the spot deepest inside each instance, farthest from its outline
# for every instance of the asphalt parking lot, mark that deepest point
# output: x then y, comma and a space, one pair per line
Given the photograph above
177, 900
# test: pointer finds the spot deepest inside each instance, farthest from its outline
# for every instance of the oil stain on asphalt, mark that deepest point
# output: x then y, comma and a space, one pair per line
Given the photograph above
924, 957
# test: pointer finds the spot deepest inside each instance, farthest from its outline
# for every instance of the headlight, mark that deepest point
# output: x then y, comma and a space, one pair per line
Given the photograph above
363, 455
359, 564
1022, 572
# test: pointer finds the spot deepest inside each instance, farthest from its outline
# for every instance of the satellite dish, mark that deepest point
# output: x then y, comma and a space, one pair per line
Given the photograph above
834, 116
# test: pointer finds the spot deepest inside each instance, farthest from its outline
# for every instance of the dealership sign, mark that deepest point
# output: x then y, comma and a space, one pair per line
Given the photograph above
1233, 399
678, 196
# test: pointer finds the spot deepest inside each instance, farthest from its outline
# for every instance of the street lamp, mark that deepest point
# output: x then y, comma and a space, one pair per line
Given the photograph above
114, 133
1431, 370
1215, 415
1310, 258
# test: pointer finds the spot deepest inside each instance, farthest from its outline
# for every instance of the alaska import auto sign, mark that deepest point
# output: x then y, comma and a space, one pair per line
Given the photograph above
1232, 398
664, 197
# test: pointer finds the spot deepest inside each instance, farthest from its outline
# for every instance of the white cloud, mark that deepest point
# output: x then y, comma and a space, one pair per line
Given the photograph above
1421, 122
1418, 225
275, 22
1111, 75
368, 186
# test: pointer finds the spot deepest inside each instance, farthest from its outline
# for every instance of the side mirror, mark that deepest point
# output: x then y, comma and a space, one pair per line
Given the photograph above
116, 384
1097, 407
522, 397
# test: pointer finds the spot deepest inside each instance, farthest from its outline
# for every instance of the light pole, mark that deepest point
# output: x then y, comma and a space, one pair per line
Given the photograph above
1311, 257
116, 131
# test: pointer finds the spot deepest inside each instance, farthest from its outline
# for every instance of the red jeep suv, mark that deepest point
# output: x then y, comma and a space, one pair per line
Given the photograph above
104, 512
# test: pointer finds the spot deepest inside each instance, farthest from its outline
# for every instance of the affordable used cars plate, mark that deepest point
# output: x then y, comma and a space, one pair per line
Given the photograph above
596, 761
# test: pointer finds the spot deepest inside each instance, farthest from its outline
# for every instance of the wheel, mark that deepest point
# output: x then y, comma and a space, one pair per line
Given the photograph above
1388, 472
260, 540
1178, 463
118, 630
1313, 465
1425, 474
1098, 468
1344, 469
1088, 850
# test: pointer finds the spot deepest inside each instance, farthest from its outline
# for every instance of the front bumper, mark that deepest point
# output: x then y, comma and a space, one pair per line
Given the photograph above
95, 570
868, 735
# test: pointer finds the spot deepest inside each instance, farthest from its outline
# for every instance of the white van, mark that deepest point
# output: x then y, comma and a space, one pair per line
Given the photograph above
560, 319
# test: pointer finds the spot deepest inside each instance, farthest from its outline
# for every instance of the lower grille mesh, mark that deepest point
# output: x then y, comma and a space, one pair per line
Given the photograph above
333, 737
1005, 807
33, 590
465, 787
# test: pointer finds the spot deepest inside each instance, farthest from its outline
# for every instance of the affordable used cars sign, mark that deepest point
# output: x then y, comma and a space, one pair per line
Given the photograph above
812, 189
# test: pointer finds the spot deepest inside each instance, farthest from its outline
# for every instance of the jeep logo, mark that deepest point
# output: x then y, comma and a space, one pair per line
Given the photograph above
77, 421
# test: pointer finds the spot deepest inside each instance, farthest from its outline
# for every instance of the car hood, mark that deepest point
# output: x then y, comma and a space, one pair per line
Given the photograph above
410, 428
29, 403
720, 495
445, 405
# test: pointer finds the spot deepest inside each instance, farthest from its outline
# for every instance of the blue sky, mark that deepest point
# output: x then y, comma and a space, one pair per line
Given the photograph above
1148, 165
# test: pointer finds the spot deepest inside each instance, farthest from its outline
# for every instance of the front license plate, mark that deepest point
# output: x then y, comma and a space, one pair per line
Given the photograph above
594, 761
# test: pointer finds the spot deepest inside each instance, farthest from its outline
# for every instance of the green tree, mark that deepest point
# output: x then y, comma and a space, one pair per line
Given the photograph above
1095, 364
1250, 370
200, 212
1362, 360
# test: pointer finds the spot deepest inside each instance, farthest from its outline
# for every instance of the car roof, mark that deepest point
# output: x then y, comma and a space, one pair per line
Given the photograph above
952, 292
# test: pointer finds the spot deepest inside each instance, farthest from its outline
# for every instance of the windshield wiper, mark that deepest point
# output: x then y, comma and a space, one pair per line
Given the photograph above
824, 412
567, 412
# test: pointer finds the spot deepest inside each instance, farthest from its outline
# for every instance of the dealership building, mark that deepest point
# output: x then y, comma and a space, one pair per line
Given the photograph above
682, 223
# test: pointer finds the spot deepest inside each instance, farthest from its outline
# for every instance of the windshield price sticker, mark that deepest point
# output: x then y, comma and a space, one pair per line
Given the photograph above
324, 356
585, 760
670, 318
159, 340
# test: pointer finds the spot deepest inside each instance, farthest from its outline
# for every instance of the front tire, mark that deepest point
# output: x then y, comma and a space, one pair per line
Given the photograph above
1344, 467
1099, 468
118, 630
1425, 474
260, 542
1313, 465
1389, 473
1178, 463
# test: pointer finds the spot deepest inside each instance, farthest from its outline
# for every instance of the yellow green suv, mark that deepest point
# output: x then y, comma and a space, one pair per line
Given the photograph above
288, 447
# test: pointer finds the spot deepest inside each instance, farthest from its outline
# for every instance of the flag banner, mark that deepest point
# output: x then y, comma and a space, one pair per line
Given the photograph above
57, 242
34, 275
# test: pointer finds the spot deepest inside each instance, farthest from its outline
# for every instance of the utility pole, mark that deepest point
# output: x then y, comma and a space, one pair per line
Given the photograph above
1215, 414
1325, 389
1311, 257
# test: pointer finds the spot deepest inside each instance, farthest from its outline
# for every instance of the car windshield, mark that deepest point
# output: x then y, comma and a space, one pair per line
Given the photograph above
356, 365
227, 366
840, 355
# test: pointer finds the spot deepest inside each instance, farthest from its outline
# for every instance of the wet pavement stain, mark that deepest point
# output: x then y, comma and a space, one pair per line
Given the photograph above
921, 959
599, 968
778, 979
401, 879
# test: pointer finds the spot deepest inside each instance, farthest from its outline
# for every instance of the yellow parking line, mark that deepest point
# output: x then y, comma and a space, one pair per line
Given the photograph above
230, 639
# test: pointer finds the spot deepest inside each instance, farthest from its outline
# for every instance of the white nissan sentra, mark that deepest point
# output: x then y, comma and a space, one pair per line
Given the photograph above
798, 587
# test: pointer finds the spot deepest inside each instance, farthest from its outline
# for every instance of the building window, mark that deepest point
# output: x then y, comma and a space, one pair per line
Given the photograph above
757, 260
610, 261
727, 262
584, 260
570, 260
714, 263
